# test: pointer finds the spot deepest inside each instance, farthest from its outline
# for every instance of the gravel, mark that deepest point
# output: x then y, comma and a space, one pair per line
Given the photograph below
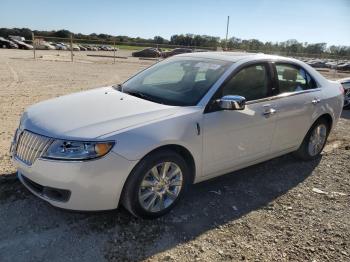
279, 210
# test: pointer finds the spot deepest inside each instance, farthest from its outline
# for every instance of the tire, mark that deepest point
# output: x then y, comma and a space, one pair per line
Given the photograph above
346, 99
134, 189
304, 152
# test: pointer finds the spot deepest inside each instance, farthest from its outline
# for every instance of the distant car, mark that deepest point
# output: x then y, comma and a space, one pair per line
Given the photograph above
4, 43
22, 45
147, 52
345, 82
344, 67
44, 46
82, 48
317, 63
60, 46
331, 64
75, 47
106, 48
176, 51
17, 37
184, 120
88, 47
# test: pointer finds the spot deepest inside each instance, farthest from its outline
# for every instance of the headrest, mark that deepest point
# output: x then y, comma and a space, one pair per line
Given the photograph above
210, 75
290, 74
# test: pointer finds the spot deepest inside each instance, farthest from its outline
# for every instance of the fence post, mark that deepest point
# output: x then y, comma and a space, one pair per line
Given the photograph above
71, 47
114, 52
33, 39
336, 69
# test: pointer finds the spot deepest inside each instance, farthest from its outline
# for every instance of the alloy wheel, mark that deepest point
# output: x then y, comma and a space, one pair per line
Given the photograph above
160, 186
317, 139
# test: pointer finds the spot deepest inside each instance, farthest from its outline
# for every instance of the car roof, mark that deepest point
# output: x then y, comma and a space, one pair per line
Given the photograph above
234, 56
244, 57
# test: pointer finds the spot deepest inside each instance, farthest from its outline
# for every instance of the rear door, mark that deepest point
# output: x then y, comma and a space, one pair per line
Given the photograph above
297, 101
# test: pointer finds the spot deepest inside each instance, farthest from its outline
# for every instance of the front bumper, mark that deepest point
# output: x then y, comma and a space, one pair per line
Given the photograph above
90, 185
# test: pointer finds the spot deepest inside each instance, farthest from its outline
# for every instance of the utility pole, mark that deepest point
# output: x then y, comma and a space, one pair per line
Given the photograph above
33, 42
113, 51
71, 47
228, 22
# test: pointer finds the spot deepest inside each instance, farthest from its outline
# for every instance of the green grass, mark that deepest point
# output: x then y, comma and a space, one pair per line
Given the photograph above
134, 48
130, 47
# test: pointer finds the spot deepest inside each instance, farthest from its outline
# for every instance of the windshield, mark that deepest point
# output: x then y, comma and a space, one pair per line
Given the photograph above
180, 81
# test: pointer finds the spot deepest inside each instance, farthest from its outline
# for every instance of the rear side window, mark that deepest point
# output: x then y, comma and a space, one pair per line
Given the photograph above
251, 82
292, 78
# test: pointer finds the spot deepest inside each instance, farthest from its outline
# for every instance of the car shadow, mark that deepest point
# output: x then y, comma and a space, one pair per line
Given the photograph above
206, 206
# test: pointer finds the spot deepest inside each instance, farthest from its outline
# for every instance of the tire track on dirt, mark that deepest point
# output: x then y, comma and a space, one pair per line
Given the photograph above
15, 76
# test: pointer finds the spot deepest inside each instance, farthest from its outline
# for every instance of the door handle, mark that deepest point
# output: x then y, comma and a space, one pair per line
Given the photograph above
315, 101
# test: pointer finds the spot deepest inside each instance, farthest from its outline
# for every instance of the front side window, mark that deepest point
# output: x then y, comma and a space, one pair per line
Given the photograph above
177, 81
251, 82
293, 79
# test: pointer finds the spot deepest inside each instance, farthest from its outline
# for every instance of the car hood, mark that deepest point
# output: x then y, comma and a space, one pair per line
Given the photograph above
91, 114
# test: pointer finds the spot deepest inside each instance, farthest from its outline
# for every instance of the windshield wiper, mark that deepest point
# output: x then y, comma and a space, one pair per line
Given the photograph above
143, 96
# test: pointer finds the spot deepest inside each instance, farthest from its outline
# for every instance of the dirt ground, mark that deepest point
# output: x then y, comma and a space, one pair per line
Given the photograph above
279, 210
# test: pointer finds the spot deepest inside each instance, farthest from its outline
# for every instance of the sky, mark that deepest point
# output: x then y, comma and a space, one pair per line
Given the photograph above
309, 21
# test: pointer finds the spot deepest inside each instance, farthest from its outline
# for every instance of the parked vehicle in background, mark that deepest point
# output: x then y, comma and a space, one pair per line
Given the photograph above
176, 51
82, 48
344, 67
42, 45
345, 82
17, 37
22, 45
148, 52
317, 63
185, 119
331, 64
75, 47
4, 43
106, 48
60, 46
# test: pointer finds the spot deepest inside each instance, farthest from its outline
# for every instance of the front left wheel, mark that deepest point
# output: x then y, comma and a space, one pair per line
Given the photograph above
156, 184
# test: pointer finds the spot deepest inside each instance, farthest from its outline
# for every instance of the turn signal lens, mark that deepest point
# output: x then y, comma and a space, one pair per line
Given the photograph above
103, 148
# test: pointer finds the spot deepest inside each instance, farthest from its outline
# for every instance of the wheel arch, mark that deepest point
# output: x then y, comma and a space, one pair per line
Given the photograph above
183, 152
328, 119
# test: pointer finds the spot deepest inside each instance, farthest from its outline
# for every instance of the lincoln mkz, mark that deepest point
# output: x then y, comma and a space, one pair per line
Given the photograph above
184, 120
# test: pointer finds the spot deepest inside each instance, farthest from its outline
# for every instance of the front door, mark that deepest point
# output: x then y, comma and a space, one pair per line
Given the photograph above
233, 138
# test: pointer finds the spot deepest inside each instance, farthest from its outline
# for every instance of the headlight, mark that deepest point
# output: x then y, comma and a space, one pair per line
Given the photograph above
76, 150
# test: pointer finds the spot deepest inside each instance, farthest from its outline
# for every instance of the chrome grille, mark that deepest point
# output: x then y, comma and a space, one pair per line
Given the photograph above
31, 146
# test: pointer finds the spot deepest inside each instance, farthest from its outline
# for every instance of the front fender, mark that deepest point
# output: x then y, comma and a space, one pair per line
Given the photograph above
180, 130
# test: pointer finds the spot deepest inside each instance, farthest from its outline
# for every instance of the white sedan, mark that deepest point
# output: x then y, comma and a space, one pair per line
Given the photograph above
186, 119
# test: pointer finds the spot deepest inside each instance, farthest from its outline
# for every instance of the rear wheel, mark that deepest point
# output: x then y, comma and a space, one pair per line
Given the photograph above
314, 141
156, 184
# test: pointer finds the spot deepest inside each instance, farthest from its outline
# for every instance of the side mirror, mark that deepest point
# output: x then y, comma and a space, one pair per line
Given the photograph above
232, 102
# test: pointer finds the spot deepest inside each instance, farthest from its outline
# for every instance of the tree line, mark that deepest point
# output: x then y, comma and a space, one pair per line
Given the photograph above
288, 47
